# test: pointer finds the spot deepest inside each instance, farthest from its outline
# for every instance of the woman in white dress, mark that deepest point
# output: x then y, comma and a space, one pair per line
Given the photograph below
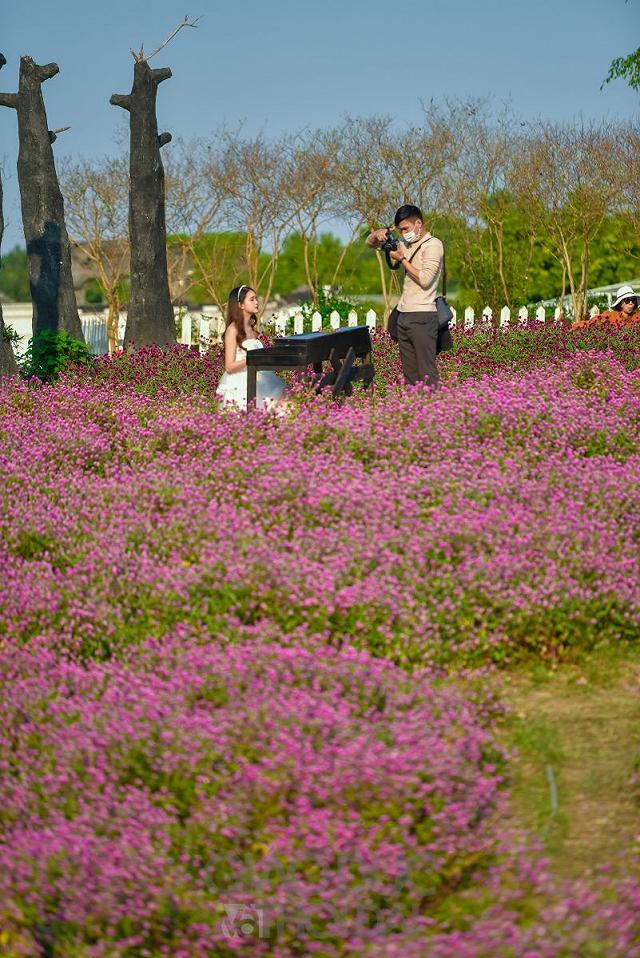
240, 336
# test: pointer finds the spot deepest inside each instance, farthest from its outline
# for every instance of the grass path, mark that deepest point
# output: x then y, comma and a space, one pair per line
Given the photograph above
576, 729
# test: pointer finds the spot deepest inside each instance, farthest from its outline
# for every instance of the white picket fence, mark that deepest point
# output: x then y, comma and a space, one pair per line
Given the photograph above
202, 326
211, 326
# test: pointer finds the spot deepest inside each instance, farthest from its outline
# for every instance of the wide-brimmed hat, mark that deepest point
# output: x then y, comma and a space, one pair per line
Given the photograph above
625, 292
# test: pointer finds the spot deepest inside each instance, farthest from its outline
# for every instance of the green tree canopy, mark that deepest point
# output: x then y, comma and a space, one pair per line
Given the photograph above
625, 68
14, 276
357, 274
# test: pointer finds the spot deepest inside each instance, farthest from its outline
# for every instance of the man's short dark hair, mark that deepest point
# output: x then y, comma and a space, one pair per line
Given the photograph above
407, 212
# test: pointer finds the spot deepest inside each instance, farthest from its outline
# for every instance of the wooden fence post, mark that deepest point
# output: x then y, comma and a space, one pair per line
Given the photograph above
185, 335
205, 334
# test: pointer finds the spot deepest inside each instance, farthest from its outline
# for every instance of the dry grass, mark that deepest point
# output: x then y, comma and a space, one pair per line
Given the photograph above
576, 729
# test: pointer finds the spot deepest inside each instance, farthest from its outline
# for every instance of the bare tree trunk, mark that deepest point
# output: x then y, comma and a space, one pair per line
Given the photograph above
150, 315
563, 293
48, 250
470, 263
584, 279
270, 271
344, 252
207, 273
383, 283
499, 235
8, 365
341, 259
316, 272
576, 300
113, 317
252, 257
312, 281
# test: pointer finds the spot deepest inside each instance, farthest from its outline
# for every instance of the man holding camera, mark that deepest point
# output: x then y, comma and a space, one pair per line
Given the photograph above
421, 256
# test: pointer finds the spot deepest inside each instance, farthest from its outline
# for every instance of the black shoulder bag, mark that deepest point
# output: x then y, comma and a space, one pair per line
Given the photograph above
445, 314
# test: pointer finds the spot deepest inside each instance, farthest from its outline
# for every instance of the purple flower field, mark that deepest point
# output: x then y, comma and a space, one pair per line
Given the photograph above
246, 660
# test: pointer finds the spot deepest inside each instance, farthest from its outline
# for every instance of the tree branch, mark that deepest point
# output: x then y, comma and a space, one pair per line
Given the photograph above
140, 56
53, 134
121, 99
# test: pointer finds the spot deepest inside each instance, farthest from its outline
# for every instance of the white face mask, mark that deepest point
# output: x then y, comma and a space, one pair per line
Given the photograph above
410, 237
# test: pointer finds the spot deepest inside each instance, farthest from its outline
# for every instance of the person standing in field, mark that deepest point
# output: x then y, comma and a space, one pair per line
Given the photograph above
420, 255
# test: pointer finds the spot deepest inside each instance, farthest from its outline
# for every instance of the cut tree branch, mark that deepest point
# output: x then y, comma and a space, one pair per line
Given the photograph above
140, 56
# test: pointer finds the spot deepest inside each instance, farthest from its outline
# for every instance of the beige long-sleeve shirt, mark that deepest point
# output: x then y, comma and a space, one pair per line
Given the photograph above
426, 255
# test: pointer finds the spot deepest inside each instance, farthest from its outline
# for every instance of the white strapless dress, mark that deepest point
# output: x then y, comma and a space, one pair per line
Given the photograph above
233, 386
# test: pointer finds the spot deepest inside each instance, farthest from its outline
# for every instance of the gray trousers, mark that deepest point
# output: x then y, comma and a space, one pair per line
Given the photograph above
417, 341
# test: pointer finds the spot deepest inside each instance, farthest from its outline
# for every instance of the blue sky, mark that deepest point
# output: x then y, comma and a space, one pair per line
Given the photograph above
283, 65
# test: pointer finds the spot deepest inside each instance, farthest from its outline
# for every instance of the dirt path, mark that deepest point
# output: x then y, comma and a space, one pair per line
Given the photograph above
577, 735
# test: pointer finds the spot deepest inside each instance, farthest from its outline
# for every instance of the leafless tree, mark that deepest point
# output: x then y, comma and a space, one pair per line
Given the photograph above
379, 169
564, 176
479, 147
249, 179
96, 202
150, 316
196, 206
366, 190
625, 157
45, 232
309, 187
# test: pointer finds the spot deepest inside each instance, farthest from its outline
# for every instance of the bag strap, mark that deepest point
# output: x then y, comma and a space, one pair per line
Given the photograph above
409, 258
444, 268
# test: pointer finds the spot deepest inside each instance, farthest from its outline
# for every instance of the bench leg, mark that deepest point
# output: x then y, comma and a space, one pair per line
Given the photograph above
252, 374
344, 376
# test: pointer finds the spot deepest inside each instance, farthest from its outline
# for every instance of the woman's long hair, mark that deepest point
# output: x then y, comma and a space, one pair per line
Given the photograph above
234, 312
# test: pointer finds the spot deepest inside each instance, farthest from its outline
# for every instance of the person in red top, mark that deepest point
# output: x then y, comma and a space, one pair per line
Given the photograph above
624, 311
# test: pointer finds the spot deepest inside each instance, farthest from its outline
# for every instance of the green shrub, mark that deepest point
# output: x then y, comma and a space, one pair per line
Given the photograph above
327, 304
49, 353
10, 335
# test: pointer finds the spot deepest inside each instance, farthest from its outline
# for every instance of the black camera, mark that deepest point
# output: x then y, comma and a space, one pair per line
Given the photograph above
390, 243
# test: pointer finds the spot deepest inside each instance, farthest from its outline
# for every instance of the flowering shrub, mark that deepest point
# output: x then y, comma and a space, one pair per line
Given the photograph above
208, 744
480, 352
138, 799
161, 372
286, 801
167, 373
478, 522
